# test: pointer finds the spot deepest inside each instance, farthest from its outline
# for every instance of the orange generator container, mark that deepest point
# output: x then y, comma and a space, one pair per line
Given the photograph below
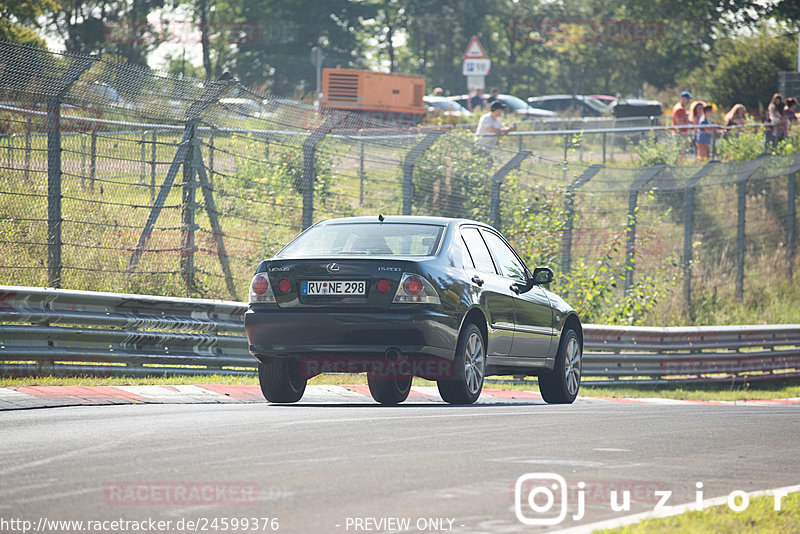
387, 96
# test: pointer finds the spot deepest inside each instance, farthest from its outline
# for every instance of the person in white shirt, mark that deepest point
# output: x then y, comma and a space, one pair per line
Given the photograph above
490, 124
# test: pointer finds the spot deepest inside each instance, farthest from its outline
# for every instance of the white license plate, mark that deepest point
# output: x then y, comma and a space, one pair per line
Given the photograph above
334, 287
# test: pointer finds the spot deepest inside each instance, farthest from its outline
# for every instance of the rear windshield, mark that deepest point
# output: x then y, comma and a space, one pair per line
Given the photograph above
365, 239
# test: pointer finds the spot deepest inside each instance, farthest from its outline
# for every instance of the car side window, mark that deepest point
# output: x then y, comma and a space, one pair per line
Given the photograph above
478, 250
508, 262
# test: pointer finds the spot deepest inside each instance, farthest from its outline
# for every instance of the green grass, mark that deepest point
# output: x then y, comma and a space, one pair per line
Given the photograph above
759, 517
723, 392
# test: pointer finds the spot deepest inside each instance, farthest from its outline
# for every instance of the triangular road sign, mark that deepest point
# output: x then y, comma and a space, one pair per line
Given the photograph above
474, 50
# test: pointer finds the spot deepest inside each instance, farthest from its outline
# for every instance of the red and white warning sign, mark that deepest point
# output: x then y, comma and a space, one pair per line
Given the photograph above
474, 50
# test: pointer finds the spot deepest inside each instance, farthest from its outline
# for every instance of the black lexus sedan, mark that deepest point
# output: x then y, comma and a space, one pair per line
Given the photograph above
402, 296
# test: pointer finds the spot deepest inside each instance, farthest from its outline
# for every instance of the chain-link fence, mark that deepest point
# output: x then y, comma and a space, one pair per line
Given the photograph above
116, 178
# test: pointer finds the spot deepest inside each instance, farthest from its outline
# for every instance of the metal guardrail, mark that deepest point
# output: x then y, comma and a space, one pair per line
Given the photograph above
63, 332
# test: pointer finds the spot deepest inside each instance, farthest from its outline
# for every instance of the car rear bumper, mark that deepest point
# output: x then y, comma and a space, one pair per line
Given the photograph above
350, 335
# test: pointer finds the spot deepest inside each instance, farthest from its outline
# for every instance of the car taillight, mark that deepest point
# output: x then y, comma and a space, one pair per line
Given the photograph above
415, 289
284, 286
260, 289
384, 285
413, 285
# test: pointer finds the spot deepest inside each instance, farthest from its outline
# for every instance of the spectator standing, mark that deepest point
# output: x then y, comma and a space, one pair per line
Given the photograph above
695, 114
476, 101
704, 134
490, 127
680, 117
495, 95
775, 132
790, 113
735, 119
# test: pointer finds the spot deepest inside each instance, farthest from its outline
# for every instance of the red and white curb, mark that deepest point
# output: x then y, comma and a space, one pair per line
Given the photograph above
52, 396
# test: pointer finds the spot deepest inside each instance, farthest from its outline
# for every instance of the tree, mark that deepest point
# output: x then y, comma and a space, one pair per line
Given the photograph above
289, 29
19, 19
118, 27
745, 69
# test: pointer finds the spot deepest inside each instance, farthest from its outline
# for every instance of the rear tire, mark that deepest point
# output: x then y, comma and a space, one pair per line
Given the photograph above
561, 385
469, 368
388, 387
281, 380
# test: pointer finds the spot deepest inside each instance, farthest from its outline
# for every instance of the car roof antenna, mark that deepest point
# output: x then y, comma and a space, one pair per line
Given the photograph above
381, 217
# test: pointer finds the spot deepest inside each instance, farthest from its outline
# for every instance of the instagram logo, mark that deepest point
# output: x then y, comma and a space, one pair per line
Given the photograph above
535, 497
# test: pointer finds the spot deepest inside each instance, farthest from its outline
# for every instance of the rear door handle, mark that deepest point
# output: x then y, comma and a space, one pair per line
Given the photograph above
477, 280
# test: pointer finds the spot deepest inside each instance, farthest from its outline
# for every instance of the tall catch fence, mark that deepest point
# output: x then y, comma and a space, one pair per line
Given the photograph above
115, 178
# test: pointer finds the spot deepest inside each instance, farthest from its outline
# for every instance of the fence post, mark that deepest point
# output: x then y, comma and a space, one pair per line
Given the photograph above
83, 159
310, 171
216, 228
10, 151
566, 238
638, 184
362, 176
211, 156
143, 150
497, 183
741, 194
54, 216
93, 157
688, 230
408, 169
213, 92
188, 207
28, 146
153, 168
791, 223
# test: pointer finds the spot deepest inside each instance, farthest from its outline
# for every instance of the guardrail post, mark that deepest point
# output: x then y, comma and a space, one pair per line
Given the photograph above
213, 92
497, 183
791, 223
566, 238
688, 230
54, 217
408, 169
633, 197
310, 172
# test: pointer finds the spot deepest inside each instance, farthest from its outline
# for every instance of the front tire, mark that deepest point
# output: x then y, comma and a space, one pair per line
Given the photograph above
389, 387
281, 380
561, 385
469, 368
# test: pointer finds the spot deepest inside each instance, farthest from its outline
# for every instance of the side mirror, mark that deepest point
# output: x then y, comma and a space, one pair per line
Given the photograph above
542, 275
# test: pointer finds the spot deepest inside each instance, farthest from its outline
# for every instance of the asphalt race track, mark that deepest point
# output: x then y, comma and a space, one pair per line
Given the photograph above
344, 464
